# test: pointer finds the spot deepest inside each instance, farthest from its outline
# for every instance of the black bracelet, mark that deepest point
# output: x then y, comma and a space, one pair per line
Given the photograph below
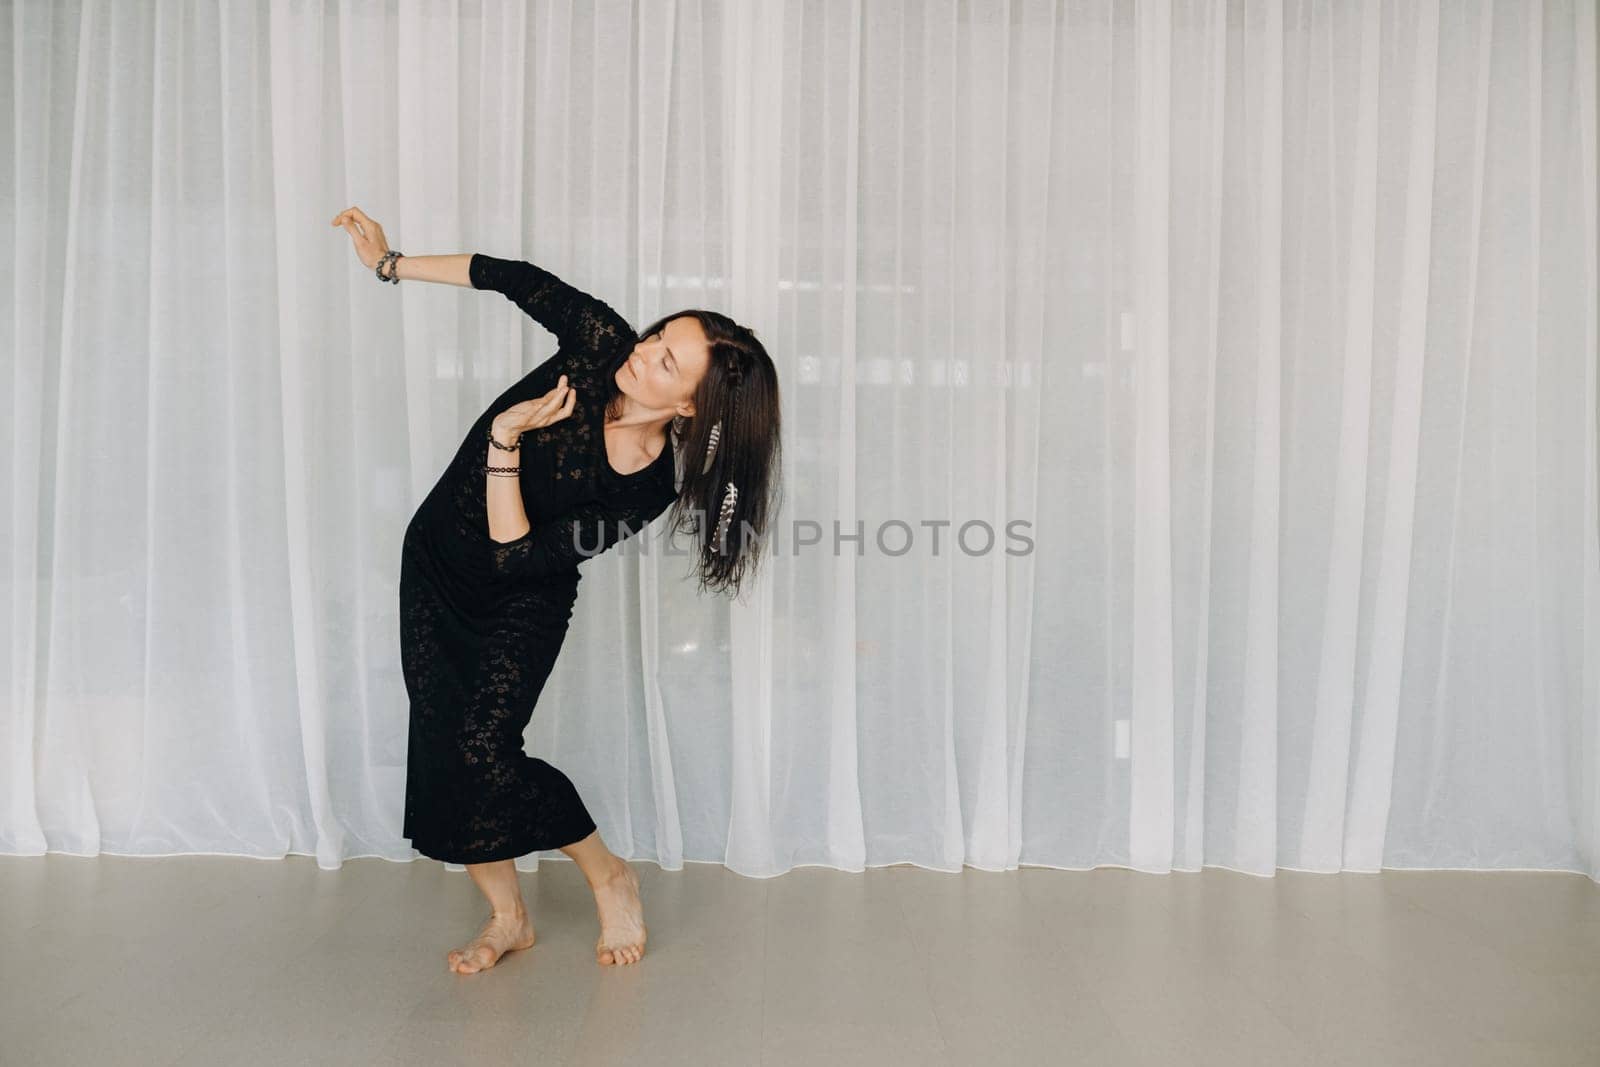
491, 470
501, 447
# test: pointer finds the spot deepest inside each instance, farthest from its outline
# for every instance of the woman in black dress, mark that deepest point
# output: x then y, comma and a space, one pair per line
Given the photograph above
578, 455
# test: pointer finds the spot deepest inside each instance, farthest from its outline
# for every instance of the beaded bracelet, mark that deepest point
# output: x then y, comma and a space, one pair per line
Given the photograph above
501, 447
394, 276
492, 470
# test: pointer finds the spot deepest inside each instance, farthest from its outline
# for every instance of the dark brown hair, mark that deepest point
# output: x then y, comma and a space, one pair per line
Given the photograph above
740, 392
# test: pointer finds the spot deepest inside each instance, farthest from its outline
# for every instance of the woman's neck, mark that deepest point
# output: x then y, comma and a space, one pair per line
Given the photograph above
638, 425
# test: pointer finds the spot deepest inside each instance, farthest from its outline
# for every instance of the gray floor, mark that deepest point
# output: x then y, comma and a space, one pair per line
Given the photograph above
211, 960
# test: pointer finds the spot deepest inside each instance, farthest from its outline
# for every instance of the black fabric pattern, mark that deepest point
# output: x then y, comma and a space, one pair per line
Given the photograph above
482, 622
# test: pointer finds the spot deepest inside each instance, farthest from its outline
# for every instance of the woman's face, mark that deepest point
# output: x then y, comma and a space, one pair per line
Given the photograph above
666, 367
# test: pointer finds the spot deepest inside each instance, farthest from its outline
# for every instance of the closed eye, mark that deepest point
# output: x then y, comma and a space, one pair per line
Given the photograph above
672, 361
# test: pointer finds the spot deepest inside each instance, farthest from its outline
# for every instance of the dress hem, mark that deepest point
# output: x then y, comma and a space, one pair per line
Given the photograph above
508, 852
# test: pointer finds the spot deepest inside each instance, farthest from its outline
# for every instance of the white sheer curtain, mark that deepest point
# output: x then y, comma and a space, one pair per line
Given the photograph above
1271, 326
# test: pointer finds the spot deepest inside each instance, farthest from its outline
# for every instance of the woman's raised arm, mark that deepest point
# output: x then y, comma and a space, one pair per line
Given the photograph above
588, 328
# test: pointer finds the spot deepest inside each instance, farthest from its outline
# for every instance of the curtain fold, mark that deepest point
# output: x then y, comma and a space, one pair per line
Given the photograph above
1190, 449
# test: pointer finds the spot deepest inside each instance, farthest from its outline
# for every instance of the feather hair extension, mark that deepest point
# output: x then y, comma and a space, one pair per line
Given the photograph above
728, 501
711, 445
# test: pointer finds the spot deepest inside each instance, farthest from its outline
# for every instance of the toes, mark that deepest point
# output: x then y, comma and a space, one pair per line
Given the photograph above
471, 960
618, 954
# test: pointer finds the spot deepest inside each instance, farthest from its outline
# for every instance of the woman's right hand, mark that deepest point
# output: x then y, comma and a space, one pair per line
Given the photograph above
541, 411
367, 236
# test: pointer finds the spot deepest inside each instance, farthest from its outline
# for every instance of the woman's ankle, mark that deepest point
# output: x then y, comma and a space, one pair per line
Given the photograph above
519, 912
613, 870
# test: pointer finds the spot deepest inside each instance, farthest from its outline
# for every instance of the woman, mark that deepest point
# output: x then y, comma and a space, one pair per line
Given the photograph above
580, 454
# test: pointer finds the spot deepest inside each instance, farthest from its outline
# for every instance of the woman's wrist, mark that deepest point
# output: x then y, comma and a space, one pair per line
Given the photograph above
506, 438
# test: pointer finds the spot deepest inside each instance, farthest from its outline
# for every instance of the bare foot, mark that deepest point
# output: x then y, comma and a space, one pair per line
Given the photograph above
622, 931
498, 936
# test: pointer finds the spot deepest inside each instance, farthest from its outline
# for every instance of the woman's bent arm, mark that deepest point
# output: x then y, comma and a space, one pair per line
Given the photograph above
451, 270
502, 496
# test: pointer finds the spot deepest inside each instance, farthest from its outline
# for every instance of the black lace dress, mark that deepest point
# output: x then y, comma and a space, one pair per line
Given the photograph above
481, 622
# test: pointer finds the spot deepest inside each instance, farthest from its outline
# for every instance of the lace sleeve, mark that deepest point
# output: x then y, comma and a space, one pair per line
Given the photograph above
558, 546
588, 329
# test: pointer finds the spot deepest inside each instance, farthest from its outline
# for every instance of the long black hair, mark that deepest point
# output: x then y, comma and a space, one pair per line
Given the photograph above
727, 452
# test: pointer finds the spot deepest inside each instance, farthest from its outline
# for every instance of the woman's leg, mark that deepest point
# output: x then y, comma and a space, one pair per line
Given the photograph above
597, 862
498, 880
507, 927
616, 897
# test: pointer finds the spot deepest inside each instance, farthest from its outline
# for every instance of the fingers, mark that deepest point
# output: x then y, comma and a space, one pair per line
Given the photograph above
558, 403
561, 411
555, 395
354, 213
553, 406
349, 225
355, 217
